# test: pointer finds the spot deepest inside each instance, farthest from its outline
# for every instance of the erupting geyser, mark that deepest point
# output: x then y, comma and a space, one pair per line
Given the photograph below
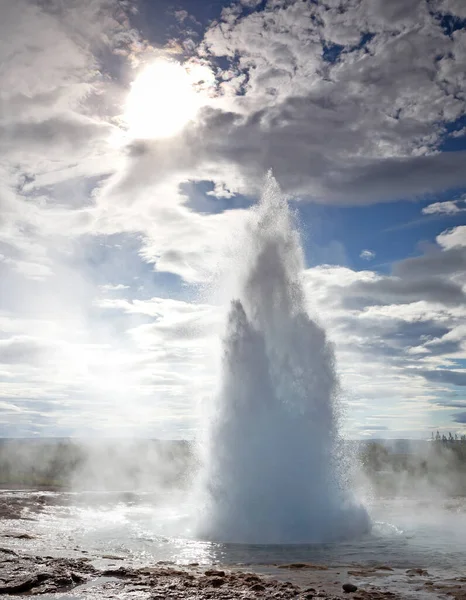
274, 464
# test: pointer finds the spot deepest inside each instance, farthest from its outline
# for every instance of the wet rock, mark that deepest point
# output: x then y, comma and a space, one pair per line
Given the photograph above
8, 551
217, 582
19, 536
349, 588
304, 566
251, 579
63, 579
214, 573
78, 578
413, 572
120, 572
24, 585
458, 592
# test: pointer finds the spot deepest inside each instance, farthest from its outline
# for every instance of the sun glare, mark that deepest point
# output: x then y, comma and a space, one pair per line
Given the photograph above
162, 100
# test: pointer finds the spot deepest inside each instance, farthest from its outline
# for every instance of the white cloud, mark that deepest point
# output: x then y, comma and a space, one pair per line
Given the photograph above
292, 115
367, 255
296, 105
397, 341
448, 207
459, 133
168, 347
114, 287
87, 372
453, 238
452, 7
354, 124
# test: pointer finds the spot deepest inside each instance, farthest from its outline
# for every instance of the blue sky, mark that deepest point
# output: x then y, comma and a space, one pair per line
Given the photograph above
391, 231
126, 183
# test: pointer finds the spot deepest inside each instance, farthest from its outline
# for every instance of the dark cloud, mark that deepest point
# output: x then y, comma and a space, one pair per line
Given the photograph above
359, 128
293, 147
460, 417
394, 290
451, 403
21, 350
444, 347
63, 134
434, 264
445, 376
349, 101
362, 128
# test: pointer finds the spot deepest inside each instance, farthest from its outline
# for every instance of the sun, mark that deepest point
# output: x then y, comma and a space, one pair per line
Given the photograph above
162, 100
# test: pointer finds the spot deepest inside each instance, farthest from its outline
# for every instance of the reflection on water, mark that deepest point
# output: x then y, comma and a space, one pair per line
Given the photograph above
142, 528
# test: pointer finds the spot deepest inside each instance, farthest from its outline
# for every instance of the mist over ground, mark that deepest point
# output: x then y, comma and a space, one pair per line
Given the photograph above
100, 465
385, 467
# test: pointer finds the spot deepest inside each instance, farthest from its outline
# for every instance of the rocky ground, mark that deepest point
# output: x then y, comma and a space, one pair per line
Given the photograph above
15, 508
22, 574
34, 575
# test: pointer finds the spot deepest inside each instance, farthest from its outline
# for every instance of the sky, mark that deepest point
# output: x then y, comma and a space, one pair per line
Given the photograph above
135, 137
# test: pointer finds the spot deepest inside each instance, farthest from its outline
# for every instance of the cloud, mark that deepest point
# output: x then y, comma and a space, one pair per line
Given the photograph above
459, 133
349, 103
455, 8
85, 372
437, 264
290, 113
395, 290
22, 349
114, 287
460, 417
446, 376
397, 336
287, 106
175, 320
54, 129
450, 207
295, 104
454, 238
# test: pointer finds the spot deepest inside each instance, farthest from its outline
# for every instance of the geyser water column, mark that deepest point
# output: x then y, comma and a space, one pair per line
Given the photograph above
273, 466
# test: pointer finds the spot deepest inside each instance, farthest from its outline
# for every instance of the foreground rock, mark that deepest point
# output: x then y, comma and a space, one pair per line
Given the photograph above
20, 574
35, 575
